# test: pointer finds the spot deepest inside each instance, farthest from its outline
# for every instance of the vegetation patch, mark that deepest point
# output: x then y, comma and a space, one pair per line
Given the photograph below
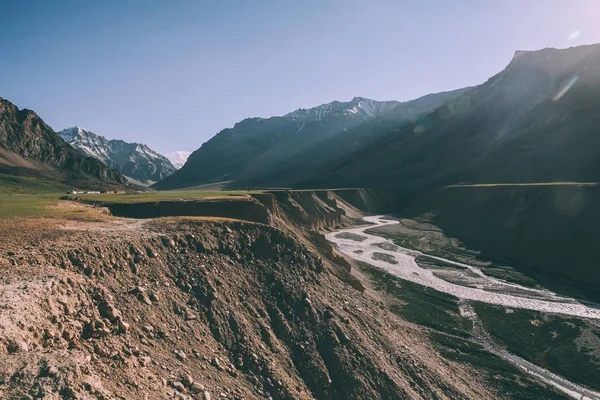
173, 195
384, 257
550, 341
508, 380
351, 236
421, 305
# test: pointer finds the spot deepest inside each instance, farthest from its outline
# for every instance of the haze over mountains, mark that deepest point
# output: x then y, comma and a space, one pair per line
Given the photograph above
134, 160
288, 149
534, 121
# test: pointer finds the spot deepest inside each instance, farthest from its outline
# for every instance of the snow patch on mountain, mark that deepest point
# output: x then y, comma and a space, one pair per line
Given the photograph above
135, 160
178, 158
359, 107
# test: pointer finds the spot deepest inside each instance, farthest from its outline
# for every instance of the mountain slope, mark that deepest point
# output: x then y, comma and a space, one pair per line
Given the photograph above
29, 147
536, 121
257, 150
134, 160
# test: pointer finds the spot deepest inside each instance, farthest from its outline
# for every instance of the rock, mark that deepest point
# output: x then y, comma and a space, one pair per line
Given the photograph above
101, 351
110, 312
196, 387
189, 316
207, 395
52, 371
180, 355
187, 380
142, 295
145, 361
217, 363
101, 328
123, 326
68, 335
48, 334
148, 328
179, 386
154, 296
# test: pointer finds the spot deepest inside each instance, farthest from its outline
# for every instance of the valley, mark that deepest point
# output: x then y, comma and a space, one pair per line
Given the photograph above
470, 285
441, 247
188, 290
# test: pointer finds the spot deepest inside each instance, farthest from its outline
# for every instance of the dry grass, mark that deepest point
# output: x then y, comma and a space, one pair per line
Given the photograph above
163, 196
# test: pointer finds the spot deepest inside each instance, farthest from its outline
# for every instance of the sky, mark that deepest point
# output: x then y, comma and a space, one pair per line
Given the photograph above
172, 74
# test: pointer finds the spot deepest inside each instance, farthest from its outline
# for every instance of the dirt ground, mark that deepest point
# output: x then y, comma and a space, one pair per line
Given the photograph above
97, 307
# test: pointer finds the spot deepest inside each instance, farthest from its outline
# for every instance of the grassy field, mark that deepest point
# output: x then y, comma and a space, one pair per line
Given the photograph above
10, 184
161, 195
48, 205
28, 205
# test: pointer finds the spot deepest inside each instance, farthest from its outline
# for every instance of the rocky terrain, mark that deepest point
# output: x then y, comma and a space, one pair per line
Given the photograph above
29, 147
200, 307
135, 160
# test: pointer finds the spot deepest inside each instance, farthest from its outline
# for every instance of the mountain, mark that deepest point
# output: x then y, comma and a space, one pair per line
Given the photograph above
536, 121
30, 148
287, 149
134, 160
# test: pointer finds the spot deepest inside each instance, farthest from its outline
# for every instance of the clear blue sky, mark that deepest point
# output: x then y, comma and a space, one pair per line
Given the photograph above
173, 73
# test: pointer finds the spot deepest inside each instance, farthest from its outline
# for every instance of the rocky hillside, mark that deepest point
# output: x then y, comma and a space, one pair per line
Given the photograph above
199, 309
134, 160
30, 147
536, 121
281, 150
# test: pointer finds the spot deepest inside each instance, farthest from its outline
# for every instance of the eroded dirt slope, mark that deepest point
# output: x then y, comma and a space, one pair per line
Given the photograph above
204, 309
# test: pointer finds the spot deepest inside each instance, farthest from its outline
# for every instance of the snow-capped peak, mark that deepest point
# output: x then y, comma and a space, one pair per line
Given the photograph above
70, 134
358, 107
135, 160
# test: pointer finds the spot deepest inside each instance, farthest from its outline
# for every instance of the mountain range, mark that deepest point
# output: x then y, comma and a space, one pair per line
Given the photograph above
30, 148
536, 121
136, 161
533, 121
288, 149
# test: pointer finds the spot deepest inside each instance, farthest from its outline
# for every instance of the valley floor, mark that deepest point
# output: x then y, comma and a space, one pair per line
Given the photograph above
499, 320
103, 307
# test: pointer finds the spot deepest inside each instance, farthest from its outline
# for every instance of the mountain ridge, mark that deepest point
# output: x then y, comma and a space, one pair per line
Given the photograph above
134, 160
532, 122
29, 147
253, 148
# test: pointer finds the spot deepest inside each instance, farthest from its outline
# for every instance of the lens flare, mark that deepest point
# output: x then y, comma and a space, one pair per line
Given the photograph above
566, 88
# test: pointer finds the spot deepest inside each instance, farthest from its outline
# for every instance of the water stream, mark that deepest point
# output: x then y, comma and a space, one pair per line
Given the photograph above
468, 283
